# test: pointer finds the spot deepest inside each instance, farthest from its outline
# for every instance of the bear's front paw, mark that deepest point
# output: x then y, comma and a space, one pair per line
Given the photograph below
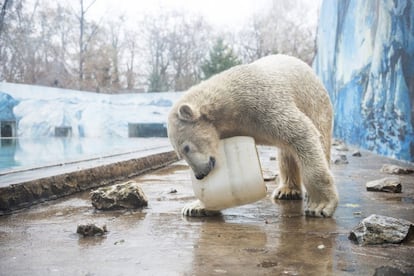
321, 209
285, 192
197, 209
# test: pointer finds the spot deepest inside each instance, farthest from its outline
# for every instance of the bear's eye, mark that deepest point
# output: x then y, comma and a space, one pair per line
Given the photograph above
186, 149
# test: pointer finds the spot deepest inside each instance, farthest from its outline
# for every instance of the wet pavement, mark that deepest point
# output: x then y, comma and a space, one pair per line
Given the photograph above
263, 238
23, 188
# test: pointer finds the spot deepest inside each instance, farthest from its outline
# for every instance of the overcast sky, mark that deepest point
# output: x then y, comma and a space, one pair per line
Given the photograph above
226, 13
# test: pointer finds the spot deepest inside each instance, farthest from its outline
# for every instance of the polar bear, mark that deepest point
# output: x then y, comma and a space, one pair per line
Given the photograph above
277, 100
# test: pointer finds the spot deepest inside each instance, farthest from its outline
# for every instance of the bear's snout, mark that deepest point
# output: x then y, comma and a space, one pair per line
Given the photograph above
210, 166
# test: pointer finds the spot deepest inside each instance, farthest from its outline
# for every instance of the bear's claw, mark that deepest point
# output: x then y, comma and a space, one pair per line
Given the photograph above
286, 193
197, 209
323, 209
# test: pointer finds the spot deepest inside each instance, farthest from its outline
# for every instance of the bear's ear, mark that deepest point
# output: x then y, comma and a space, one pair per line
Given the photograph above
187, 113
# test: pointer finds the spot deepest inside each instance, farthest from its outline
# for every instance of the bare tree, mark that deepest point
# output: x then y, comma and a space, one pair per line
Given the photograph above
156, 37
115, 36
177, 45
131, 48
285, 28
3, 11
53, 43
187, 48
84, 38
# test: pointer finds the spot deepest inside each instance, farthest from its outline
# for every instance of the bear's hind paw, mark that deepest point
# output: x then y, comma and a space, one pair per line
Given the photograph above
197, 209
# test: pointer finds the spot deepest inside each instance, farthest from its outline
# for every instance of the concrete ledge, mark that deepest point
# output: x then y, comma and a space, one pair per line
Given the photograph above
25, 194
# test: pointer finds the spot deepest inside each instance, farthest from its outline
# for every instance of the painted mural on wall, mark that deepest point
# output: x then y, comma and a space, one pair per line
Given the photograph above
366, 60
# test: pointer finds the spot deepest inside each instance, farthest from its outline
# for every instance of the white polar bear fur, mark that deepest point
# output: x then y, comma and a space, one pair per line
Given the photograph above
277, 100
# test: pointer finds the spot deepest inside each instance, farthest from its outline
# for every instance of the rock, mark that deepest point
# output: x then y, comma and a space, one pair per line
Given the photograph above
336, 142
357, 153
340, 160
268, 175
341, 147
388, 271
119, 242
126, 195
377, 229
89, 230
387, 184
394, 169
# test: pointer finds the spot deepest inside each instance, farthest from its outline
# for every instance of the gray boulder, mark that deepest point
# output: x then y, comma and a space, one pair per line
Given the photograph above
377, 229
387, 184
394, 169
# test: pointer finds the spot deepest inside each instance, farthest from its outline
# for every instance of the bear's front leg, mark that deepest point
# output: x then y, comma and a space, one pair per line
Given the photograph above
322, 197
305, 144
197, 209
321, 194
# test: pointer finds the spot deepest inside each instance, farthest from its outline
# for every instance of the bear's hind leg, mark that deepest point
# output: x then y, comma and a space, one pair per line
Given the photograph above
289, 181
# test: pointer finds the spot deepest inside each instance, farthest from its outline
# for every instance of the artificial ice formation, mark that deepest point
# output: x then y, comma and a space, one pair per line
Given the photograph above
365, 58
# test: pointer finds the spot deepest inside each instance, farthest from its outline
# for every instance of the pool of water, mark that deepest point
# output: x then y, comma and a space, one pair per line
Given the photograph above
17, 154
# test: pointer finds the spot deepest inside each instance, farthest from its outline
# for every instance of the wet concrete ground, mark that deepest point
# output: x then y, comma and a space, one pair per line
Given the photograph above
264, 238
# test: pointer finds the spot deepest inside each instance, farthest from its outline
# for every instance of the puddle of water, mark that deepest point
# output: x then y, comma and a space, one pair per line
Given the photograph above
24, 153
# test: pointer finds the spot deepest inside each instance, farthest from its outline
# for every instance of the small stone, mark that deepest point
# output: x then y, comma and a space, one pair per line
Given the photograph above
120, 196
357, 153
321, 246
119, 242
272, 158
377, 229
394, 169
268, 175
341, 160
387, 184
172, 191
336, 142
90, 230
341, 147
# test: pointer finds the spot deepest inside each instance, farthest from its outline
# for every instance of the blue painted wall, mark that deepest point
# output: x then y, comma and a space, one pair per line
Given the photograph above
365, 58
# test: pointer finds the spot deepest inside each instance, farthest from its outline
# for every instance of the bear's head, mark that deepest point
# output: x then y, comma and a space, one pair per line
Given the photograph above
194, 138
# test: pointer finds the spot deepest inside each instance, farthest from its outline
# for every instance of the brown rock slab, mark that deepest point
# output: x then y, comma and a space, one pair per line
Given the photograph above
377, 229
387, 184
90, 230
128, 195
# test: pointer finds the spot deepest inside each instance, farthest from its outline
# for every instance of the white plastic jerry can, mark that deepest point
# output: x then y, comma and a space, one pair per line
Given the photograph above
236, 179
